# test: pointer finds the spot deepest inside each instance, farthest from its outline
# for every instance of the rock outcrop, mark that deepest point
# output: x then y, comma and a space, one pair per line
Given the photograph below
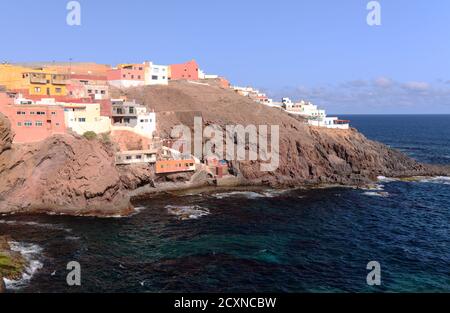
64, 174
308, 155
68, 174
12, 263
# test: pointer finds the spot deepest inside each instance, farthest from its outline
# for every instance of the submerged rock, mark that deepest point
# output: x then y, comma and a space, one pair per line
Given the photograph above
12, 264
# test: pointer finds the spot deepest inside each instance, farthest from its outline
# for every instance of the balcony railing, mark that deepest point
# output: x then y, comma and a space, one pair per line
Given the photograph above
38, 79
59, 79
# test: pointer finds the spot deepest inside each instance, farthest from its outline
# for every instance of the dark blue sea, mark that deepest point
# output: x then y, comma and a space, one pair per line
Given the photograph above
261, 240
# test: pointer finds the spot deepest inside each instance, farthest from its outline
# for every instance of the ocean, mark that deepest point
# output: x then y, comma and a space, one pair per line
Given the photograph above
261, 240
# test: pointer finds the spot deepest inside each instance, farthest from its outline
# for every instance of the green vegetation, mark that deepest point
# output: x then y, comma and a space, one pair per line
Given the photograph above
11, 267
90, 135
105, 138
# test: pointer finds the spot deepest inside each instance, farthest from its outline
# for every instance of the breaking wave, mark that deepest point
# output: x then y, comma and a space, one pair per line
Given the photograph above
384, 179
376, 194
31, 254
35, 224
445, 180
245, 194
187, 212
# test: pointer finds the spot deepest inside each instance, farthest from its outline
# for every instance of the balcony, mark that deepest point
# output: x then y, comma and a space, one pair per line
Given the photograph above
59, 79
36, 78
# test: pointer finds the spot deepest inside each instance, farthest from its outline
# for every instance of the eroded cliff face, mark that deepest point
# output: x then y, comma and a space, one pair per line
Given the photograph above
327, 156
63, 175
71, 175
308, 155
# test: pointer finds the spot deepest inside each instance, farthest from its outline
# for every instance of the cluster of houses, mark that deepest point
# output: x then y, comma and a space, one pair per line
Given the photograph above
42, 100
313, 115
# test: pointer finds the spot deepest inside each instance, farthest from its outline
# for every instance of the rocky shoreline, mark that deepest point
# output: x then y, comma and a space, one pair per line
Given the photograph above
71, 175
12, 264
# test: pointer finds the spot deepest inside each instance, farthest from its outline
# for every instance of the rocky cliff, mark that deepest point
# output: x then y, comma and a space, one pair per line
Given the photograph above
68, 174
63, 174
308, 155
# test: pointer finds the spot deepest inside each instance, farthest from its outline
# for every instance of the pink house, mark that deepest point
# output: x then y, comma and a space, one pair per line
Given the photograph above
188, 71
129, 75
32, 123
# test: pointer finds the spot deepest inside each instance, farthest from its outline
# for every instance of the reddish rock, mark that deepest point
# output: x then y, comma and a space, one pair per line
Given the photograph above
63, 174
308, 155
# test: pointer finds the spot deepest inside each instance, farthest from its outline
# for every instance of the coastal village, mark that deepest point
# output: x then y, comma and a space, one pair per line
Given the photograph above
42, 100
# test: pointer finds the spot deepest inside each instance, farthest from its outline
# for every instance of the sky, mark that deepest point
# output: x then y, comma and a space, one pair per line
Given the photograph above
319, 50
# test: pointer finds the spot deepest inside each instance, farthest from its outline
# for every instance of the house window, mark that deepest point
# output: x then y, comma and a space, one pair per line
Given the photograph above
32, 113
154, 77
19, 123
139, 76
37, 89
58, 90
131, 110
124, 76
102, 92
82, 119
39, 123
89, 90
53, 113
132, 76
128, 157
138, 157
28, 124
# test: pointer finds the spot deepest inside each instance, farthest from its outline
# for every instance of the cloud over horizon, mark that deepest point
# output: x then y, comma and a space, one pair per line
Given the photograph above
376, 96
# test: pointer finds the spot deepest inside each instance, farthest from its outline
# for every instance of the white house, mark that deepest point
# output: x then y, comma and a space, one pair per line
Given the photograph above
314, 115
329, 122
156, 74
133, 117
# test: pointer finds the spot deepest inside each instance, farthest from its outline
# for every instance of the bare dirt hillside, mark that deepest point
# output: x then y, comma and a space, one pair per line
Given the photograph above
308, 155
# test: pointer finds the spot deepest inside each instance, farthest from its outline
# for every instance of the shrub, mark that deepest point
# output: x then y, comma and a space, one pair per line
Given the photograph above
105, 138
90, 135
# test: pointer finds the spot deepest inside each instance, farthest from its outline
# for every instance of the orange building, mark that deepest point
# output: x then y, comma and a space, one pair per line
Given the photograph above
188, 71
174, 166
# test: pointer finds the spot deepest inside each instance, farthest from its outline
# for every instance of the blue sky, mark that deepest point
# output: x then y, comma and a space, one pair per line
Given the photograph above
321, 50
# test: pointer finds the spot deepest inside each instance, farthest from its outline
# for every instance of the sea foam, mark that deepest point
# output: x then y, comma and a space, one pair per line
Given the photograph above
31, 253
187, 212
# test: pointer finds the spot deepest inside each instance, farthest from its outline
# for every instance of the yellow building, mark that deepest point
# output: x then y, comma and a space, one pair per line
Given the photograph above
33, 81
82, 118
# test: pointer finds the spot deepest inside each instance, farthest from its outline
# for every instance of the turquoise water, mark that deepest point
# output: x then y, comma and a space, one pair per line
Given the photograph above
262, 240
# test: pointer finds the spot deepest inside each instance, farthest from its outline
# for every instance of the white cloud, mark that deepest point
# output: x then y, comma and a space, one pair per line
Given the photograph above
418, 86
